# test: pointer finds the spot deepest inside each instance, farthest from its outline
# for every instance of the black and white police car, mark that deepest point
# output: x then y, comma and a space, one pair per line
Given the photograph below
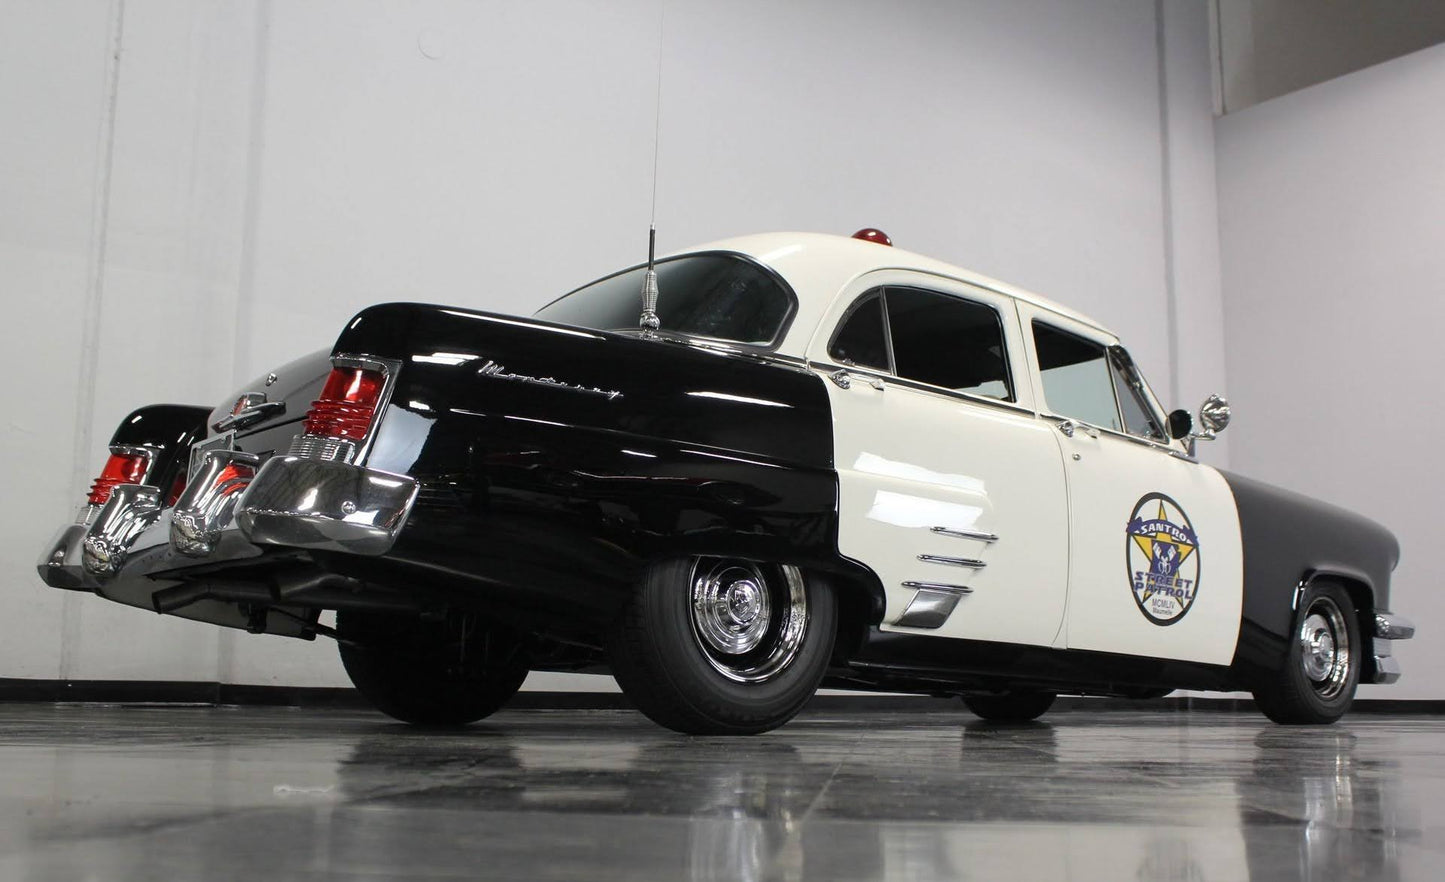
816, 460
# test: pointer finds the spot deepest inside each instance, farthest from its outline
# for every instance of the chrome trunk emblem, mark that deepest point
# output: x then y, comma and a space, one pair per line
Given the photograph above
500, 372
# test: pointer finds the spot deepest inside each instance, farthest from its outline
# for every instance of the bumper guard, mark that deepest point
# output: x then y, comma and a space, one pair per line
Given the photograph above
1389, 627
132, 546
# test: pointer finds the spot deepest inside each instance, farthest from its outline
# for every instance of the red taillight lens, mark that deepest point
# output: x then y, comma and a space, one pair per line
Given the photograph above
234, 478
121, 468
178, 486
347, 404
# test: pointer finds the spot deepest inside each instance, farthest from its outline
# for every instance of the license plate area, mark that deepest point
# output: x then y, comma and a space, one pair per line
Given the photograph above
224, 441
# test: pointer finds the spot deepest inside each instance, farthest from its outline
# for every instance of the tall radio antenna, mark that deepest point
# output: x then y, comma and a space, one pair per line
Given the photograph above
657, 106
649, 321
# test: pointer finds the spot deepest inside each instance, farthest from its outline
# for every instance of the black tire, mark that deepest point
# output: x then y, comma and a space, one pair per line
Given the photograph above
432, 673
1011, 707
703, 653
1317, 680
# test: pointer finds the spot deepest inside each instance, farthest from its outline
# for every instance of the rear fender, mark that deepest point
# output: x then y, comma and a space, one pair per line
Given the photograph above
570, 457
168, 431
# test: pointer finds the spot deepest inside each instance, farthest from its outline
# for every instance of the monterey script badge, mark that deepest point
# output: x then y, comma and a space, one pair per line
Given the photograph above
1162, 554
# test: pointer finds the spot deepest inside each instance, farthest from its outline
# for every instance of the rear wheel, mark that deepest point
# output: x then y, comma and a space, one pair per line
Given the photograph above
432, 673
1014, 707
1321, 668
722, 646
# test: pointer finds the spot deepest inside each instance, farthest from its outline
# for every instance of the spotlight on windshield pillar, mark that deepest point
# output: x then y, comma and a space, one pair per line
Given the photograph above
869, 234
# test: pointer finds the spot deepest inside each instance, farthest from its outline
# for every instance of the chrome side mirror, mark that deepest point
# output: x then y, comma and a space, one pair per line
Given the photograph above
1214, 415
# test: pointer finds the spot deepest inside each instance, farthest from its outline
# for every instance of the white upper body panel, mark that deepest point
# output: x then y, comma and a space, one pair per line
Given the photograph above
818, 266
991, 517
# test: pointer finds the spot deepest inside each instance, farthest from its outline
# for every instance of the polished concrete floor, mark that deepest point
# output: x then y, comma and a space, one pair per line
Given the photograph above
162, 793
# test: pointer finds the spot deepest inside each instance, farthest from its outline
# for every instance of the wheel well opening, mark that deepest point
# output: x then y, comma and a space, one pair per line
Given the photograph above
855, 615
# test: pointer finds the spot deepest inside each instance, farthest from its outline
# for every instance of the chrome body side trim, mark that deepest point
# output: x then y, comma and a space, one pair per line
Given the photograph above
980, 535
1389, 626
129, 511
884, 379
939, 586
1094, 431
932, 605
306, 503
969, 562
208, 503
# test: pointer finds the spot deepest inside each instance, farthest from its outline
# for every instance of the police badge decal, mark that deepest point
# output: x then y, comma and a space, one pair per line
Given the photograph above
1162, 554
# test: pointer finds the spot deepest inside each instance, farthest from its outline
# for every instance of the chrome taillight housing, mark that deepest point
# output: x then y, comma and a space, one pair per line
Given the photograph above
126, 465
347, 404
340, 422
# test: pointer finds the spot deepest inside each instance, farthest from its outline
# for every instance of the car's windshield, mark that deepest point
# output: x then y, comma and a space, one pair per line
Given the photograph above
717, 296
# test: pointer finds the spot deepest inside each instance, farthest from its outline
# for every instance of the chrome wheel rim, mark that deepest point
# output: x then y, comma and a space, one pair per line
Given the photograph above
1324, 643
748, 619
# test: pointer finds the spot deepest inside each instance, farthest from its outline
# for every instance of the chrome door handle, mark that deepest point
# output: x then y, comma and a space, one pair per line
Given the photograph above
845, 380
1069, 427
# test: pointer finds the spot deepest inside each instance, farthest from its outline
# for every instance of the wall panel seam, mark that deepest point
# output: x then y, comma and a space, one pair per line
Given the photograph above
94, 304
1166, 192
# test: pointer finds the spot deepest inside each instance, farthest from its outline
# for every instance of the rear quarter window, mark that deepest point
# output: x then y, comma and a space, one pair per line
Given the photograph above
717, 296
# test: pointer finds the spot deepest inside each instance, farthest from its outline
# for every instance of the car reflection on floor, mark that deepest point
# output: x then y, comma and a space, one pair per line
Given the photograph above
278, 794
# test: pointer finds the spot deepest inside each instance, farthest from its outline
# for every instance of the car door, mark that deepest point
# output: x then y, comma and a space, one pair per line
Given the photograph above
1155, 564
951, 489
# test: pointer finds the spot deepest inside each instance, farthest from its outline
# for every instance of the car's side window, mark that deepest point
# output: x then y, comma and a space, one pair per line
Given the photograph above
1076, 376
1139, 417
947, 341
862, 337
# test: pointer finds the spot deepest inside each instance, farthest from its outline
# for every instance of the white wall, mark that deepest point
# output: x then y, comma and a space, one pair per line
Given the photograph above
1332, 207
273, 167
47, 198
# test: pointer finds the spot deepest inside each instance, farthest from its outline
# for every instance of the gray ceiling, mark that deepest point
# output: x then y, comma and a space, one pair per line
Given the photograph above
1269, 48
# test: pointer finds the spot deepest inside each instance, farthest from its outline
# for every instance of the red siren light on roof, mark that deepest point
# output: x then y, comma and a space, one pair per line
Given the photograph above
869, 234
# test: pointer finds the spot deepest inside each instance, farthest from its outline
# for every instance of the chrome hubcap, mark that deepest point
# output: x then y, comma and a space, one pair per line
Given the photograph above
749, 619
731, 609
1325, 648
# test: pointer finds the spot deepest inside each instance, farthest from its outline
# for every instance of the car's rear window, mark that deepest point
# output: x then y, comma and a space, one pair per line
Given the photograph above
717, 296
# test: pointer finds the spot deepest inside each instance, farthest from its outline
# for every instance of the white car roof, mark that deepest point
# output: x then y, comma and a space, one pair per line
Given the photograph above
818, 266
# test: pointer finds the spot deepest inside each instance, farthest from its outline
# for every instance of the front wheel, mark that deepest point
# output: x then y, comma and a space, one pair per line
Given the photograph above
1321, 669
448, 672
721, 646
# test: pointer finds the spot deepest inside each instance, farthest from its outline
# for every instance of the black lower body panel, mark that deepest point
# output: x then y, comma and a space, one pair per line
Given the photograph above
911, 663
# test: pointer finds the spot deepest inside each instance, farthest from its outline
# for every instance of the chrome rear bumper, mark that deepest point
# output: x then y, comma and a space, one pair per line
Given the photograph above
132, 546
321, 504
